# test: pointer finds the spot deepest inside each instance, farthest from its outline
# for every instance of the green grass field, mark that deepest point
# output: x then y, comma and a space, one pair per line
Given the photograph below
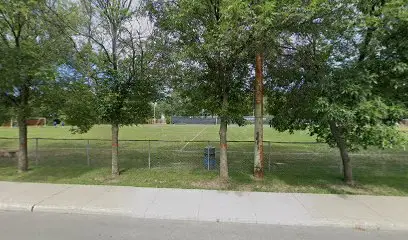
176, 162
161, 132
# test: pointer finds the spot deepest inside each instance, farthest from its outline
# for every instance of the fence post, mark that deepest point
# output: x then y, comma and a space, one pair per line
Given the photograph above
88, 159
36, 151
269, 155
149, 155
208, 156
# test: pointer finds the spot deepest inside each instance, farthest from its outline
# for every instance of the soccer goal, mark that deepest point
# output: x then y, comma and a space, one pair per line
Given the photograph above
38, 121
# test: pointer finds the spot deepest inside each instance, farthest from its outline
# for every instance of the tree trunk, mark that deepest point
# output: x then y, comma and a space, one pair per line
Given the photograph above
341, 144
22, 130
115, 150
22, 137
223, 140
258, 133
223, 149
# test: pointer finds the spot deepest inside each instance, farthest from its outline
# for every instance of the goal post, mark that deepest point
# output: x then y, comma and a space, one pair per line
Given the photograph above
37, 121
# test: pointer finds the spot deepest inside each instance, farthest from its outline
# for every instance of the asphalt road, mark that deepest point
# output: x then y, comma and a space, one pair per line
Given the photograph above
51, 226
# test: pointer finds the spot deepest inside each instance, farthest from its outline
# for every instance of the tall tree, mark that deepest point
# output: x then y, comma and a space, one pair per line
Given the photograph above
388, 57
209, 50
116, 34
30, 32
321, 80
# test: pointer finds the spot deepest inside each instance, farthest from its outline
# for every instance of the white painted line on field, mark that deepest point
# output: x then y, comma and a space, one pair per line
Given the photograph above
198, 134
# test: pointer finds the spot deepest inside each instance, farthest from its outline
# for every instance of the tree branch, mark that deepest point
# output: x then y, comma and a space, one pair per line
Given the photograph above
100, 45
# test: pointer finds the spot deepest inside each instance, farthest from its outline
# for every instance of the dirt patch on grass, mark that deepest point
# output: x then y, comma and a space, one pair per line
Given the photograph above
107, 180
245, 188
216, 184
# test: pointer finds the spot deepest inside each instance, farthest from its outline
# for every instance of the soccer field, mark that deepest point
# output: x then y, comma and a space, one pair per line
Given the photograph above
174, 158
158, 146
162, 132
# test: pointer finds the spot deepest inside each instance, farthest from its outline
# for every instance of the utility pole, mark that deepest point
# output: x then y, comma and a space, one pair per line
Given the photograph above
258, 134
258, 91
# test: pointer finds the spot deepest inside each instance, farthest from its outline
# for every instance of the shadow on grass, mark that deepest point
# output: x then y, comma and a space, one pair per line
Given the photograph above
310, 176
50, 174
333, 184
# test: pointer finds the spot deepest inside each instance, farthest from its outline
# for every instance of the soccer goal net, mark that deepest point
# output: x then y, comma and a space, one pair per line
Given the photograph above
40, 121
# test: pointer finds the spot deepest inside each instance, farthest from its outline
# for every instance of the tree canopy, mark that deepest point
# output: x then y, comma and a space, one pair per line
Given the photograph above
113, 62
324, 79
210, 57
29, 32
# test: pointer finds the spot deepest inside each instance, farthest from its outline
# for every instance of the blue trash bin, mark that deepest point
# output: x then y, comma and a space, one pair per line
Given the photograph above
209, 158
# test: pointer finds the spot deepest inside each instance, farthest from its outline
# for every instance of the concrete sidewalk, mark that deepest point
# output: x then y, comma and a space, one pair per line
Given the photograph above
365, 212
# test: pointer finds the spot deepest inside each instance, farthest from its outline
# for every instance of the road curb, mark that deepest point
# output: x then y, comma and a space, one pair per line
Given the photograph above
358, 225
16, 207
279, 209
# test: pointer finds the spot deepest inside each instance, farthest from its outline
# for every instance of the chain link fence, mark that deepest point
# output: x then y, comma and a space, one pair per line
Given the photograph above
295, 158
